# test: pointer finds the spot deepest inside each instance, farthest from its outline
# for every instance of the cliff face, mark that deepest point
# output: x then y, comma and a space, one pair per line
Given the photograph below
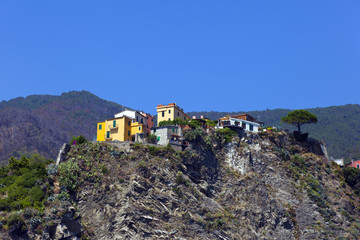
267, 187
254, 187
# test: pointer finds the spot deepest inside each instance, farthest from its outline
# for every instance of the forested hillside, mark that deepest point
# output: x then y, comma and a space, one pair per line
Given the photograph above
41, 123
338, 126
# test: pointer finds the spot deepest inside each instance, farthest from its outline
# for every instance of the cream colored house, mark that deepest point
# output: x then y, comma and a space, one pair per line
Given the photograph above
170, 112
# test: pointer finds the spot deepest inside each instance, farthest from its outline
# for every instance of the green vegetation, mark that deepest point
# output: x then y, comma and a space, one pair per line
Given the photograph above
22, 183
78, 140
151, 138
299, 117
69, 173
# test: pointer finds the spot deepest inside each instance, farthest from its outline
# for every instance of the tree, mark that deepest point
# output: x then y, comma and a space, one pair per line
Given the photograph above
299, 117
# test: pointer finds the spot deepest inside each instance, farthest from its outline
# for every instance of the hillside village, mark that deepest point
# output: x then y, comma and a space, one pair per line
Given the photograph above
171, 125
172, 121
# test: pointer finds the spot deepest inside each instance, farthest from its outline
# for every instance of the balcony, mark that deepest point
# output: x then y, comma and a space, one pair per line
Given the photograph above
112, 126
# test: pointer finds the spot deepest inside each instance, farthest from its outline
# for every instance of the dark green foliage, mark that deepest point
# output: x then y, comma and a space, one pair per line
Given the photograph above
14, 219
78, 140
226, 134
299, 117
23, 180
151, 138
195, 134
352, 177
36, 194
338, 126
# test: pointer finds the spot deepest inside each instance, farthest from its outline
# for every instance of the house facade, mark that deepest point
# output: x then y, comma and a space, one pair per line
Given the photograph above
244, 121
168, 134
120, 129
170, 112
114, 129
354, 164
149, 122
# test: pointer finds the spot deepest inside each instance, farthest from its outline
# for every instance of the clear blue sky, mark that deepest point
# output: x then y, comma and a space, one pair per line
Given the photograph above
204, 55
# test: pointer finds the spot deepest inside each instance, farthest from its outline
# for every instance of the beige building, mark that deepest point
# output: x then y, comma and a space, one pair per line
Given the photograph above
170, 112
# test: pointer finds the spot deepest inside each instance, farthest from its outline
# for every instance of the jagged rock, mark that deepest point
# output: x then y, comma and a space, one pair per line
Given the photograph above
62, 153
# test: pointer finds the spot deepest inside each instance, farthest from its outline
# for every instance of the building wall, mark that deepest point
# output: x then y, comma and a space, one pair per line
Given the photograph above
121, 131
355, 164
170, 112
100, 136
164, 134
137, 128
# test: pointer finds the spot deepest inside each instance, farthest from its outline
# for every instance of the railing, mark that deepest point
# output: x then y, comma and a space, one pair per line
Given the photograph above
111, 126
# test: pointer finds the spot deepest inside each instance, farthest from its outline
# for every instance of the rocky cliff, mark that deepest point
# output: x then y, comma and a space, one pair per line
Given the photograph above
266, 186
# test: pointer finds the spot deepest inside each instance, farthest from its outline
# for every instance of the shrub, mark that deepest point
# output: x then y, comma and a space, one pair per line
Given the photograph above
14, 219
195, 135
351, 175
36, 194
152, 138
226, 134
69, 173
77, 140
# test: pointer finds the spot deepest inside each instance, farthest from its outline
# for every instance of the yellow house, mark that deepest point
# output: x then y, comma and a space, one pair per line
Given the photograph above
137, 128
100, 131
170, 112
120, 129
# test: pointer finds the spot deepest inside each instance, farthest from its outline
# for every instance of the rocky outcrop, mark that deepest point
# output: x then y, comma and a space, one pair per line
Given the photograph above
259, 186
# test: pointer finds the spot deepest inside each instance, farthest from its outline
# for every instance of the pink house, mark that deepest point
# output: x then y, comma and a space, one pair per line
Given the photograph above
149, 122
354, 164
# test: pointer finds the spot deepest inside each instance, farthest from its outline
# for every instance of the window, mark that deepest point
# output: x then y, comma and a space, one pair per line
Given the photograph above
114, 123
129, 123
172, 130
169, 119
158, 138
147, 125
108, 134
152, 119
163, 113
128, 133
176, 130
178, 114
184, 118
142, 120
137, 118
251, 127
139, 128
358, 166
169, 111
100, 126
243, 125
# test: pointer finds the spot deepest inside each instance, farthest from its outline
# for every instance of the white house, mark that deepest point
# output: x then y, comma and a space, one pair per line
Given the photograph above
243, 121
132, 114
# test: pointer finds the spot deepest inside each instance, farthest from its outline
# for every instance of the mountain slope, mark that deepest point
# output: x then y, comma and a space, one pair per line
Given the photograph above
338, 126
41, 123
257, 186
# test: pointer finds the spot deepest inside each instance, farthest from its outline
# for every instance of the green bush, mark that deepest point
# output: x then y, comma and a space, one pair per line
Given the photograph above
69, 173
351, 175
77, 140
226, 134
152, 138
195, 134
14, 219
36, 194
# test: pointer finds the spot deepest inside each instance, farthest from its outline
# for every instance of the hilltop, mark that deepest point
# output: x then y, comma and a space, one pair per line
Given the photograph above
42, 123
338, 126
256, 186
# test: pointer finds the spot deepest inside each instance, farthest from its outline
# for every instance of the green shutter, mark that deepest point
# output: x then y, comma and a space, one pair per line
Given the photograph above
108, 134
114, 123
100, 126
